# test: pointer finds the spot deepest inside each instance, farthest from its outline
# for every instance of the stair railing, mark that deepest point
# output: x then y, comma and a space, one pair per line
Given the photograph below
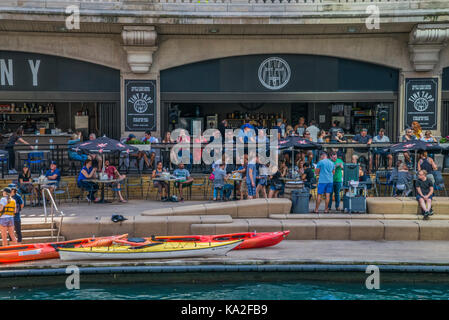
52, 212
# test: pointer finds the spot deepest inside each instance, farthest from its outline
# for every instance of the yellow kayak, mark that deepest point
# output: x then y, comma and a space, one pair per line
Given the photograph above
150, 251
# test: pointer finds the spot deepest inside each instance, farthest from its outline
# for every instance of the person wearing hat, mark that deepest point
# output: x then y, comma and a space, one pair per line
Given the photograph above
7, 211
19, 206
54, 176
25, 182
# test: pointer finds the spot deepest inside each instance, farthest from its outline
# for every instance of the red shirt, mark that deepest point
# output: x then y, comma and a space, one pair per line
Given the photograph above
110, 172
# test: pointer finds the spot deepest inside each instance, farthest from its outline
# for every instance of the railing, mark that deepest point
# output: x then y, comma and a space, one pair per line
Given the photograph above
59, 153
53, 209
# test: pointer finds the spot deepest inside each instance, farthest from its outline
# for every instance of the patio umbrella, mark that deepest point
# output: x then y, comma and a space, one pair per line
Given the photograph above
298, 143
103, 145
294, 142
414, 145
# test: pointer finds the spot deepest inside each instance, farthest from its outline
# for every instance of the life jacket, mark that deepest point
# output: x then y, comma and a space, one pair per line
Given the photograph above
9, 209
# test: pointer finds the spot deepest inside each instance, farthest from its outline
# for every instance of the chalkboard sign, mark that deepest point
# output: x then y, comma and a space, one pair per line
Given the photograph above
140, 101
421, 101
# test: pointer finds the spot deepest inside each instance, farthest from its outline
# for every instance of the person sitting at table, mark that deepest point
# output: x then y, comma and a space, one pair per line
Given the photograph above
113, 173
424, 193
86, 173
53, 176
220, 185
308, 176
185, 180
25, 182
276, 183
162, 186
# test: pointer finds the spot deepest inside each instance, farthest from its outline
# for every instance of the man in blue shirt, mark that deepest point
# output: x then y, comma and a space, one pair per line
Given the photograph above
184, 179
325, 169
53, 176
251, 174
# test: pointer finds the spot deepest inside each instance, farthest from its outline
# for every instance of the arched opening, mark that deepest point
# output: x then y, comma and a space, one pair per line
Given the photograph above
290, 86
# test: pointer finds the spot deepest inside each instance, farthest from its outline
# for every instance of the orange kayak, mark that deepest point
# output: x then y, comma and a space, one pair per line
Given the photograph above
39, 251
251, 240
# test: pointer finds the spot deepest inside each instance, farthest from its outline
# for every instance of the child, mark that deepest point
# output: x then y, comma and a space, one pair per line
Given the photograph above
7, 209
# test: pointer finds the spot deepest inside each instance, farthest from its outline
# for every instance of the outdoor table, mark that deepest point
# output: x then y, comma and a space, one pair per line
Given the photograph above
103, 182
168, 180
39, 185
235, 185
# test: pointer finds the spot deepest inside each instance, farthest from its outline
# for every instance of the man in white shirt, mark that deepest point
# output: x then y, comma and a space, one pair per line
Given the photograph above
313, 130
382, 138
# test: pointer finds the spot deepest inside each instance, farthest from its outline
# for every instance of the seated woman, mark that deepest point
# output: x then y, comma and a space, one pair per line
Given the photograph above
276, 184
426, 163
86, 173
25, 182
113, 173
162, 186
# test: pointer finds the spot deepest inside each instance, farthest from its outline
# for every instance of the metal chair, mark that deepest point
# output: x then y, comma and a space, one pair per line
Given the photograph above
35, 159
382, 179
63, 188
135, 182
201, 184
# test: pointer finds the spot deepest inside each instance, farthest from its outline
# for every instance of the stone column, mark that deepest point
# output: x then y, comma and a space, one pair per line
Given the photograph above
139, 42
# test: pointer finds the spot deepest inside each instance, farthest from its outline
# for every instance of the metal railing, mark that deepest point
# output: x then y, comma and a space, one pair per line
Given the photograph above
53, 209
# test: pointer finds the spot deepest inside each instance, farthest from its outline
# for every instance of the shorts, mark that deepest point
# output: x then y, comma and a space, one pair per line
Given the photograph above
251, 189
325, 188
184, 185
419, 197
7, 222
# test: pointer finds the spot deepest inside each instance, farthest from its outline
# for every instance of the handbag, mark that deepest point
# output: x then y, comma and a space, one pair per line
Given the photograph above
212, 177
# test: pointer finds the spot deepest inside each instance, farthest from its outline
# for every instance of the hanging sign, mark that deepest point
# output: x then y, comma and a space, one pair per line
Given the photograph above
140, 102
421, 102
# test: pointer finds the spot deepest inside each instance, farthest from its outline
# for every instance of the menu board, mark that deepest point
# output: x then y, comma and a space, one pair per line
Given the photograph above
140, 101
421, 101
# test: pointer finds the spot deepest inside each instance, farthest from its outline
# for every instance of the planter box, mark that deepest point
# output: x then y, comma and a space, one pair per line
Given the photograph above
142, 147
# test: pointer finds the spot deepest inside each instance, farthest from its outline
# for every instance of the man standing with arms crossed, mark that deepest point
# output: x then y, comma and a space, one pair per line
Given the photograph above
325, 169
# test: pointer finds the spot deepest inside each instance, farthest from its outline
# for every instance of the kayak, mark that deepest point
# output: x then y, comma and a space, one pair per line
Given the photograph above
39, 251
251, 240
160, 250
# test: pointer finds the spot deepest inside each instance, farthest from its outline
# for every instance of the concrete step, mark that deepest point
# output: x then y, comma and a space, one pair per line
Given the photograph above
38, 232
358, 216
37, 225
336, 229
29, 240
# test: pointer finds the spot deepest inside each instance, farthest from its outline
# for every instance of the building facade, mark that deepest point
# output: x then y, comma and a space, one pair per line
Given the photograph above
134, 65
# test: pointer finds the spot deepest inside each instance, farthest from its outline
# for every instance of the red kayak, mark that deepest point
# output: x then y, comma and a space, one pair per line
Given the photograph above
250, 239
39, 251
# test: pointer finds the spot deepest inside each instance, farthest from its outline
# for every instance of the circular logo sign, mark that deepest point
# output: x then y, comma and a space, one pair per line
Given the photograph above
140, 102
274, 73
421, 104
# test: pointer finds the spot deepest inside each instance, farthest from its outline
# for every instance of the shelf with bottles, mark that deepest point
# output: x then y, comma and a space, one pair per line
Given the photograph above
27, 108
